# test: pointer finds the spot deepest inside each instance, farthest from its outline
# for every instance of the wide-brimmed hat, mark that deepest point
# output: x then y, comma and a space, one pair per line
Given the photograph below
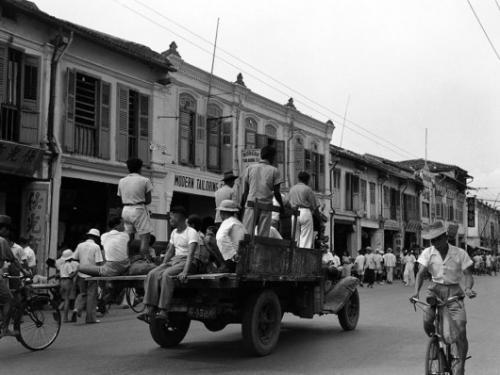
229, 206
67, 254
434, 230
5, 220
228, 176
94, 232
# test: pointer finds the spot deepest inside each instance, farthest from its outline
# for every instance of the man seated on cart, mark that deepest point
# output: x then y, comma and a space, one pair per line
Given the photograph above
159, 284
229, 235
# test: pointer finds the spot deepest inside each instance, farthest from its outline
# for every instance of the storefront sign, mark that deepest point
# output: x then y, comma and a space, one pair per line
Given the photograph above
19, 159
249, 157
196, 184
471, 212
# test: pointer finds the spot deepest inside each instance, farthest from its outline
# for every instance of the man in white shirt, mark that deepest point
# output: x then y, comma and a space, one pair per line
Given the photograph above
389, 263
370, 267
359, 266
225, 192
29, 254
115, 244
88, 253
230, 233
178, 261
448, 266
378, 258
135, 192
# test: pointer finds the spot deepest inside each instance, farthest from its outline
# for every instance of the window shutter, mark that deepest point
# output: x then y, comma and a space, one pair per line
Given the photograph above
30, 103
261, 140
214, 144
201, 141
321, 174
280, 158
69, 126
122, 133
143, 150
184, 136
104, 139
3, 71
298, 157
227, 147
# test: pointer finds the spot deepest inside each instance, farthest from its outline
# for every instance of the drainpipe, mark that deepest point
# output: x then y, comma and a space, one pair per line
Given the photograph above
333, 165
61, 45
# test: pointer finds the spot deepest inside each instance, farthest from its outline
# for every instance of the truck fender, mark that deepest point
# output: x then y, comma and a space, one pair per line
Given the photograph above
336, 298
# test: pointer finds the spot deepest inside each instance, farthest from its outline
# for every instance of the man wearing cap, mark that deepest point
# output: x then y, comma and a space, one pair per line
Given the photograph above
225, 192
178, 261
260, 182
302, 197
230, 233
448, 266
135, 192
88, 253
6, 255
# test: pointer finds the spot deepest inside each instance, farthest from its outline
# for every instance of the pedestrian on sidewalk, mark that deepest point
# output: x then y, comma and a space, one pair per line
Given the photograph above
389, 264
370, 267
379, 270
88, 253
409, 275
359, 266
68, 268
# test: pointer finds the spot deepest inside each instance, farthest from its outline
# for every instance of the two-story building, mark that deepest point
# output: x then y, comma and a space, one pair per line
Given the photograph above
484, 225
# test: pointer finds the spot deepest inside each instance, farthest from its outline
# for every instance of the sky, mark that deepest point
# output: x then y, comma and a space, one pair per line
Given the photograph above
396, 67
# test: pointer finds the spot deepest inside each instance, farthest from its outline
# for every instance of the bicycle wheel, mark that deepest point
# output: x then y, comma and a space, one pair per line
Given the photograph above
135, 298
435, 361
39, 324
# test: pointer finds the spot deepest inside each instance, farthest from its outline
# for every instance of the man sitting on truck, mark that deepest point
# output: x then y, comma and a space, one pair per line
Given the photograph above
159, 283
229, 235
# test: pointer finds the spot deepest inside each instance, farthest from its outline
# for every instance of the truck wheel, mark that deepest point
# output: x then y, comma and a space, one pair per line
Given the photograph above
215, 325
261, 323
169, 334
349, 315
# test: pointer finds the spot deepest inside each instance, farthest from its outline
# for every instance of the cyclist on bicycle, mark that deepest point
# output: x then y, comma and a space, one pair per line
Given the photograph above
447, 265
6, 255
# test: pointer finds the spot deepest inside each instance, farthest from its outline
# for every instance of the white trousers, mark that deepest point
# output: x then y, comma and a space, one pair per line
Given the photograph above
304, 234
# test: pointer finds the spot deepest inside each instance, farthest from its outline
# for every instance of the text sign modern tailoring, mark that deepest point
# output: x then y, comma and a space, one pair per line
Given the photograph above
196, 184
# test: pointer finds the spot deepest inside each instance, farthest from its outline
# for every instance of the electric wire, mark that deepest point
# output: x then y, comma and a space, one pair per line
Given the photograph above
484, 30
394, 148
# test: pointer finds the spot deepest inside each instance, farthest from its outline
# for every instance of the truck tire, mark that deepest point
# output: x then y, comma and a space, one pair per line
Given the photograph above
261, 323
169, 334
349, 315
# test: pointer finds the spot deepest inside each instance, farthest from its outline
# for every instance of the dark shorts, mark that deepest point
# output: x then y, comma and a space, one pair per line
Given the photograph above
5, 294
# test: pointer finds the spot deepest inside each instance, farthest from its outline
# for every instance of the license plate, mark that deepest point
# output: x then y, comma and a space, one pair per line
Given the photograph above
202, 313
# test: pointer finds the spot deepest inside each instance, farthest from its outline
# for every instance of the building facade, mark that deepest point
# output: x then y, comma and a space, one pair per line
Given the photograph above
484, 226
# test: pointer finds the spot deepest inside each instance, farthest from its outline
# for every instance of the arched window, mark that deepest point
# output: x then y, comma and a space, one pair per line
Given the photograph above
187, 124
214, 124
250, 133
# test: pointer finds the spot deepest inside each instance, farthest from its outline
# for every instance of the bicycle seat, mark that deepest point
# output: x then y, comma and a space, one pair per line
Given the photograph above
432, 301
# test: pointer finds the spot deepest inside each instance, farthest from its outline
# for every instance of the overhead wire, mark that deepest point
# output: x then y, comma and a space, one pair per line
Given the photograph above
395, 149
484, 30
240, 60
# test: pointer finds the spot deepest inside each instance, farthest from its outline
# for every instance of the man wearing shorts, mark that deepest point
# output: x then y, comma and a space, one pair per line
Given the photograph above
135, 192
447, 265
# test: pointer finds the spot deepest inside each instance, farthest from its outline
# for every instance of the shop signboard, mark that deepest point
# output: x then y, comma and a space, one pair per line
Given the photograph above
249, 157
196, 185
471, 212
19, 159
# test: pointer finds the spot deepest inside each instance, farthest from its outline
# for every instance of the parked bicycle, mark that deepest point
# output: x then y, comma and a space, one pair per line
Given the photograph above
35, 313
441, 351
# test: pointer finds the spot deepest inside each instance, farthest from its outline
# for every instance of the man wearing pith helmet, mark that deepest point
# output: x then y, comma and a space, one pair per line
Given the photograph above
447, 266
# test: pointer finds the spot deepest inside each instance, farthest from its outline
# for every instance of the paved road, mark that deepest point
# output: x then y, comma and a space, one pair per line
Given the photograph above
388, 340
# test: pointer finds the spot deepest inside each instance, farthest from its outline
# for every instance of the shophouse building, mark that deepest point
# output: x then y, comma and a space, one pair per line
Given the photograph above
483, 226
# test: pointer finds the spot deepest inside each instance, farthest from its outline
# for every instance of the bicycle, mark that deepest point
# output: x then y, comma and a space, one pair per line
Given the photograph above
35, 313
440, 354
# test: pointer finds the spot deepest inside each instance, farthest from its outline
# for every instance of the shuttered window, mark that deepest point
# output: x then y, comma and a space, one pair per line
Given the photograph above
134, 125
187, 128
214, 128
250, 133
314, 164
299, 157
19, 96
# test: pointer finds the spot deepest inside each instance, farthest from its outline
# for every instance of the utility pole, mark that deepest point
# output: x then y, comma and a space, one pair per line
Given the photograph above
212, 68
345, 117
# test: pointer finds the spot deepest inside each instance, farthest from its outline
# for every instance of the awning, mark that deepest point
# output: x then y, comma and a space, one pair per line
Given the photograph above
413, 226
344, 220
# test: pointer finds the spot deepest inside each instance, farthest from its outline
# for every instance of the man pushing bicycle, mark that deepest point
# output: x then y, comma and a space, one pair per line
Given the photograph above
448, 266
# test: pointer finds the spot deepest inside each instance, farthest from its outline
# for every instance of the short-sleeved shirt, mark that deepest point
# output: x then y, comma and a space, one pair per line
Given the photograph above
115, 244
370, 261
133, 188
447, 271
261, 178
360, 262
229, 235
6, 254
89, 254
18, 252
302, 196
389, 260
225, 192
30, 256
378, 261
182, 240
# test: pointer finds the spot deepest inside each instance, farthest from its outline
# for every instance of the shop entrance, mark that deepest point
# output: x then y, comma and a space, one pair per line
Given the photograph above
341, 237
366, 237
11, 188
389, 239
200, 205
84, 205
410, 240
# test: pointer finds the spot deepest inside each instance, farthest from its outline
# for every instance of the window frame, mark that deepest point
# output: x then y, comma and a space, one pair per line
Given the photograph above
190, 111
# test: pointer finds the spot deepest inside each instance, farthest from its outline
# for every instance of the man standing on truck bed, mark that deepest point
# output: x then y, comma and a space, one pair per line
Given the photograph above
302, 197
225, 192
260, 182
135, 192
